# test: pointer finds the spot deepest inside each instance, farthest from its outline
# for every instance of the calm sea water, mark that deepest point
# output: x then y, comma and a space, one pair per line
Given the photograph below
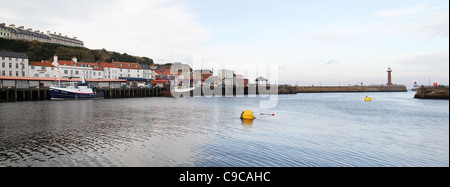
330, 129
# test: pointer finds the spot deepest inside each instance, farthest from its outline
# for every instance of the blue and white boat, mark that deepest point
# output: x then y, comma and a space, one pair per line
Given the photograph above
75, 91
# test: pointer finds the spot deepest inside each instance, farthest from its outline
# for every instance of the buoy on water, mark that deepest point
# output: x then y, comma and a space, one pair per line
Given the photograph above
367, 99
247, 115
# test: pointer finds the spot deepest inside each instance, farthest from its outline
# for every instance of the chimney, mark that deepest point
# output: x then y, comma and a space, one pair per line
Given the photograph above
22, 27
48, 32
74, 59
30, 29
55, 61
2, 24
37, 31
75, 37
60, 34
12, 26
65, 36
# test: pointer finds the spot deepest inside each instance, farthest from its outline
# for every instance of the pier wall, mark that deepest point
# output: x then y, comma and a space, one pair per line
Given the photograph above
381, 88
432, 93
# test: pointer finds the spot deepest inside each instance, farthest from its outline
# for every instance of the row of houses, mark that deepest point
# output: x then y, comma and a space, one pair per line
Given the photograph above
20, 33
17, 65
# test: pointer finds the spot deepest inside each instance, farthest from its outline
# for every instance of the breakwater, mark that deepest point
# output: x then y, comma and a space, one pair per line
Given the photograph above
325, 89
439, 92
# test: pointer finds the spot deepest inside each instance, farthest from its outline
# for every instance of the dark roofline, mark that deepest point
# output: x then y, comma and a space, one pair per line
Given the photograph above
13, 54
144, 66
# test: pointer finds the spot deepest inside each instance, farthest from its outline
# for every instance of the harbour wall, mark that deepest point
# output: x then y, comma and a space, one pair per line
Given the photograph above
42, 94
438, 92
327, 89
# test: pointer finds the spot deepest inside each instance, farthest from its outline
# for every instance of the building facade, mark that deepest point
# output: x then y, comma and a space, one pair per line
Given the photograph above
129, 70
110, 71
146, 71
42, 69
95, 73
13, 64
20, 33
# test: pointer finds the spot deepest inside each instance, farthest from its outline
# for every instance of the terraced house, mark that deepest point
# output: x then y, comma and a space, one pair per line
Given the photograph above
13, 64
20, 33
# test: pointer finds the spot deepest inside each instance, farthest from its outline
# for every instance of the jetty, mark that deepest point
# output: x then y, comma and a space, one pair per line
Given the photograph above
435, 92
14, 89
336, 89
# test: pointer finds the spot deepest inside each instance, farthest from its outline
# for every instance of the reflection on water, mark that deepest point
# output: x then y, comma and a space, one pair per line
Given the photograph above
308, 130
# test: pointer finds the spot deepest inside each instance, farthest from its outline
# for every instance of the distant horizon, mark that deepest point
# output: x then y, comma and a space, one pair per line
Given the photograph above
314, 43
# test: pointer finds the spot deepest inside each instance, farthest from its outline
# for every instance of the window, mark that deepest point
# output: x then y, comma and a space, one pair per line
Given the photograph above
36, 75
10, 65
42, 67
17, 66
3, 73
77, 72
31, 67
17, 73
3, 64
10, 73
66, 72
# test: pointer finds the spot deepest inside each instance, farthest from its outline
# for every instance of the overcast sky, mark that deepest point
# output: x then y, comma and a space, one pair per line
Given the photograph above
327, 42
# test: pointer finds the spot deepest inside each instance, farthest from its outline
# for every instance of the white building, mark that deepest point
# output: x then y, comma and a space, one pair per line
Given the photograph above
96, 72
20, 33
130, 70
13, 64
42, 69
146, 71
110, 71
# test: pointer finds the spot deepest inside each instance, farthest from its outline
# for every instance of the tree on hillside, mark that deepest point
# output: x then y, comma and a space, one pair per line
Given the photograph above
64, 53
35, 51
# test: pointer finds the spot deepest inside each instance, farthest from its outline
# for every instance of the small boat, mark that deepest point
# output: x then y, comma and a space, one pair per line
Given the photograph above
183, 90
75, 91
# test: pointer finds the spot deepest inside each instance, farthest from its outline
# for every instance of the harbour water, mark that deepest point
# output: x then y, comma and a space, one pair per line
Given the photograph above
324, 130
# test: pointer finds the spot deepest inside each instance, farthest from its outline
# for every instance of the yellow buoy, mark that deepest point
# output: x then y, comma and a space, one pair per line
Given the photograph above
247, 114
367, 99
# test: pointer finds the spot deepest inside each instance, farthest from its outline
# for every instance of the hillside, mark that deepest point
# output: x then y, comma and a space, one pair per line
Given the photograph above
37, 51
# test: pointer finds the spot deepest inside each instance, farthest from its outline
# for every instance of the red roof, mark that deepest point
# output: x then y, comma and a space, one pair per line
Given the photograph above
94, 66
43, 63
67, 63
127, 65
55, 79
165, 72
107, 65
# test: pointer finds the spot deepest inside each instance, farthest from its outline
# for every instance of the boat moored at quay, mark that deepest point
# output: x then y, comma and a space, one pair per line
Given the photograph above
75, 91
